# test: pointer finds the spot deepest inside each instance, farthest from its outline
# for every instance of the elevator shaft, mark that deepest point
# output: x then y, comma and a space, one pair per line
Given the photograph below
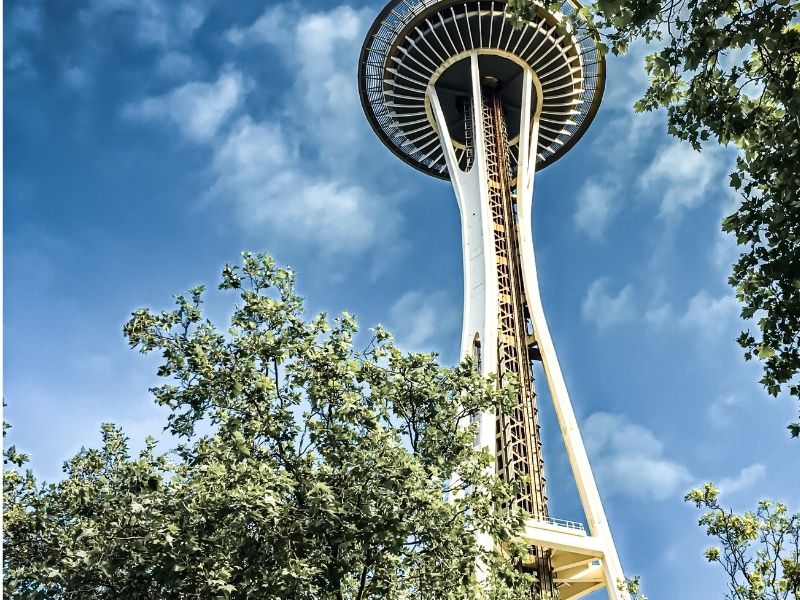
519, 457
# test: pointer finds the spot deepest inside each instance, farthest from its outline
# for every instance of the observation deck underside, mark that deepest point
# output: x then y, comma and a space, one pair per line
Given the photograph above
414, 44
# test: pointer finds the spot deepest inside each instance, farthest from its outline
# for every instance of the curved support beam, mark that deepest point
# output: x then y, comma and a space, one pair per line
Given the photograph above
576, 451
480, 287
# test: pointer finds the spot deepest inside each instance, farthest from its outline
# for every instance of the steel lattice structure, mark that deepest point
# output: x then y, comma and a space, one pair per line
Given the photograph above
454, 90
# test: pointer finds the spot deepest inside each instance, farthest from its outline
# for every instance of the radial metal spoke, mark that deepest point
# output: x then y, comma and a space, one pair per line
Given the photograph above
412, 41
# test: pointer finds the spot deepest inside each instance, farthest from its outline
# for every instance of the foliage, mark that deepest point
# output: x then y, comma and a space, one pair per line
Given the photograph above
729, 71
306, 469
759, 551
633, 588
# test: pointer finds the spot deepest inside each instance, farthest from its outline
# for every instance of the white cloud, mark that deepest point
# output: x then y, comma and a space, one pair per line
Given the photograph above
303, 176
161, 23
628, 137
418, 317
658, 314
736, 56
23, 25
606, 309
682, 178
175, 65
321, 49
628, 459
251, 147
165, 26
711, 316
197, 108
719, 412
76, 78
724, 250
629, 76
628, 132
274, 26
297, 174
190, 16
259, 171
19, 62
746, 478
25, 19
597, 204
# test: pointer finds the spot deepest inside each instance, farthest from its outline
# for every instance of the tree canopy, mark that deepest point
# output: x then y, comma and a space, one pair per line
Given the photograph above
728, 72
758, 550
306, 468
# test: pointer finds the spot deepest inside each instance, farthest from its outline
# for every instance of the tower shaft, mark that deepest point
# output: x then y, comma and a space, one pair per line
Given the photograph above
492, 171
519, 458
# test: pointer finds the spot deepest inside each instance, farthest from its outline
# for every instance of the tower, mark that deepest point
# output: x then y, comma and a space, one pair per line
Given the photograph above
454, 90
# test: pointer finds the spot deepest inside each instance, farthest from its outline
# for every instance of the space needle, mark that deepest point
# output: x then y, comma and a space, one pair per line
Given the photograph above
455, 90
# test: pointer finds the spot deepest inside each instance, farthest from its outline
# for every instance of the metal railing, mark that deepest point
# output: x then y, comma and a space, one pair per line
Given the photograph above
574, 525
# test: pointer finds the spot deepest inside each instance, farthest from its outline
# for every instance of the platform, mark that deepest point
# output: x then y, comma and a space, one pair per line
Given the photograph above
577, 558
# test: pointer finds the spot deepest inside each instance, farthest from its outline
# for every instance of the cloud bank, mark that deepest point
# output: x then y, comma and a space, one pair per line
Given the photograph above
297, 175
628, 459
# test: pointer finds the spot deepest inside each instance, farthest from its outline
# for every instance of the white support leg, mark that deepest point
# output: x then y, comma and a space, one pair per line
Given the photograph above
579, 460
480, 285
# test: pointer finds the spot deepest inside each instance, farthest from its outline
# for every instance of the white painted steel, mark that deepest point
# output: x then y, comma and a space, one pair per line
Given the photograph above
480, 284
576, 451
481, 312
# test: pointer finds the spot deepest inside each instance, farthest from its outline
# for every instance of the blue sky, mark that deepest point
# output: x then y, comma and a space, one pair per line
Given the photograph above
148, 142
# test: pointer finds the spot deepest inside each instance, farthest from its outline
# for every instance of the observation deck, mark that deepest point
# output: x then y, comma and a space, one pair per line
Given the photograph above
414, 44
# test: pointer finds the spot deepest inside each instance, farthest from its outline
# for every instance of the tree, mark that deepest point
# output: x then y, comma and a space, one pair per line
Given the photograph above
305, 469
633, 588
729, 71
759, 551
